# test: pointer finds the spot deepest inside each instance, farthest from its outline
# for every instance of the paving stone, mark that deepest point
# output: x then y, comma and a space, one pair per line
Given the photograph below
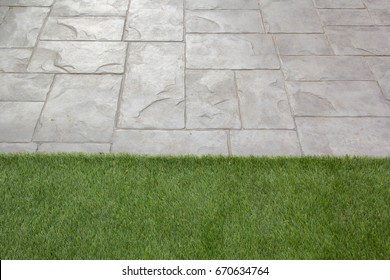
377, 4
24, 87
21, 26
381, 16
161, 24
342, 98
90, 8
222, 4
351, 4
14, 60
155, 4
18, 120
303, 44
223, 21
231, 51
264, 143
290, 16
153, 95
361, 40
18, 147
263, 99
87, 148
83, 28
323, 68
212, 100
345, 17
3, 13
345, 136
380, 66
80, 108
79, 57
152, 142
35, 3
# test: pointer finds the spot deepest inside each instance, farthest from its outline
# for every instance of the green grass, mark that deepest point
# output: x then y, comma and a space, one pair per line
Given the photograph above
125, 207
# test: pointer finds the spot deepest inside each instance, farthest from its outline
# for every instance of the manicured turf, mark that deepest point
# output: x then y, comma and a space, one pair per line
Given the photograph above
124, 207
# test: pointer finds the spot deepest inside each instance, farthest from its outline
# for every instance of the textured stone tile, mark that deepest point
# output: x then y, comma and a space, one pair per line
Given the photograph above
87, 148
3, 13
264, 143
345, 17
290, 16
341, 98
231, 51
381, 16
18, 120
21, 26
263, 99
83, 28
345, 136
223, 21
222, 4
14, 60
24, 87
155, 4
323, 68
151, 142
90, 8
153, 95
161, 24
343, 4
80, 108
377, 4
212, 100
79, 57
359, 40
18, 147
302, 44
381, 68
43, 3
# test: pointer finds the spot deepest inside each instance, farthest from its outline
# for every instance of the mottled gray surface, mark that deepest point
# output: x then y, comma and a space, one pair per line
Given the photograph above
179, 77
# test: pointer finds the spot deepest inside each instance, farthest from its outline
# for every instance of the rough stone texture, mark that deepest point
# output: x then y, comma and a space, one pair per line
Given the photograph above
153, 95
80, 108
43, 3
265, 143
344, 4
352, 136
231, 51
322, 68
90, 8
221, 4
360, 40
345, 17
303, 44
380, 66
290, 16
21, 26
159, 142
18, 147
3, 13
83, 28
263, 99
224, 21
14, 60
379, 10
24, 87
18, 120
337, 99
212, 100
87, 148
79, 57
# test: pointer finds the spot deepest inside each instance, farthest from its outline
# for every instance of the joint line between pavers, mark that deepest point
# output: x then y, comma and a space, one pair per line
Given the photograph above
374, 76
125, 23
185, 61
261, 16
238, 99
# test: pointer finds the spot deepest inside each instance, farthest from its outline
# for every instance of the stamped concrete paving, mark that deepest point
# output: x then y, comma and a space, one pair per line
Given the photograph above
230, 77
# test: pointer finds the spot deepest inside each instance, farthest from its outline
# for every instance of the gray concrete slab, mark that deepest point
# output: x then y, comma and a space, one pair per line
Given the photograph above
179, 77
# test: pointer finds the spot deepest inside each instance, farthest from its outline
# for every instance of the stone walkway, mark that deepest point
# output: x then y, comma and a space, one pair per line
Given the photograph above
237, 77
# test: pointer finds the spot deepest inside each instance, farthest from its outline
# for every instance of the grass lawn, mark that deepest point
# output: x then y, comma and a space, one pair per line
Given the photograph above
128, 207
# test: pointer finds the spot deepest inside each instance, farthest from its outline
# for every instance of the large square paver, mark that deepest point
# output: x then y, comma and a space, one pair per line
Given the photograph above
80, 108
90, 8
345, 136
14, 60
231, 51
263, 99
79, 57
153, 95
212, 99
303, 44
18, 120
159, 142
221, 4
